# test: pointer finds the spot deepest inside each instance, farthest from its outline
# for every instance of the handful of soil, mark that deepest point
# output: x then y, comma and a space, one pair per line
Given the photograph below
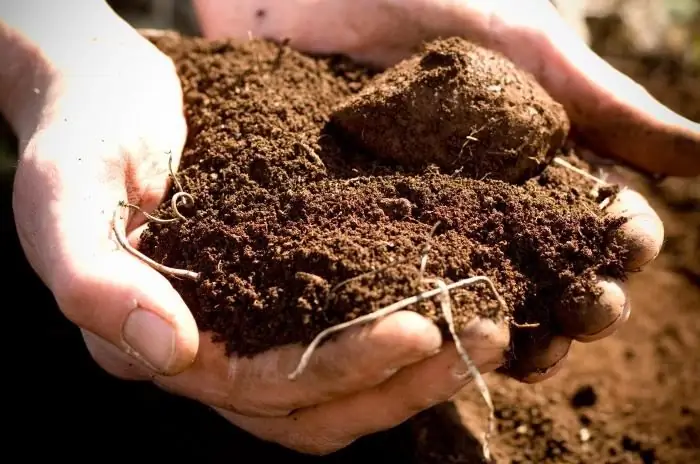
288, 205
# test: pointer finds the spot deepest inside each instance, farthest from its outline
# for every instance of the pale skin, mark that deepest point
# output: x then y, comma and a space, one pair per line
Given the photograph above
97, 107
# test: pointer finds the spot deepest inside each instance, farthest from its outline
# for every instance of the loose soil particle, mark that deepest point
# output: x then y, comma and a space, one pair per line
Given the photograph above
286, 209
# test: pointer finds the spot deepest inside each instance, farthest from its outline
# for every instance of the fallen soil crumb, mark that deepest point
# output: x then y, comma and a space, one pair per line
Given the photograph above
285, 209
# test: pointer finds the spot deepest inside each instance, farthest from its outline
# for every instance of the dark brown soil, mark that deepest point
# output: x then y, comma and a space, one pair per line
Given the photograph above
644, 405
631, 398
286, 209
461, 107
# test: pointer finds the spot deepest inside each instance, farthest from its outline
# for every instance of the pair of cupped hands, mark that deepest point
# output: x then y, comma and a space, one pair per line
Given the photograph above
98, 109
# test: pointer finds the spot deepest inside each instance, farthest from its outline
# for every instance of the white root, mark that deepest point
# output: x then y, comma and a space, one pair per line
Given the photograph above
180, 273
446, 308
442, 291
587, 175
385, 311
173, 205
171, 271
598, 182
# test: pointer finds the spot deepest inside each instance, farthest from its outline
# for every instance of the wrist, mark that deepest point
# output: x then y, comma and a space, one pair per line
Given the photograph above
25, 77
45, 44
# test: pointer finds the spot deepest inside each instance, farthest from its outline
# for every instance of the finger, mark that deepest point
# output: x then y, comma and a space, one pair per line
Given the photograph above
151, 33
67, 188
614, 115
360, 358
538, 354
328, 427
643, 233
540, 375
113, 360
591, 315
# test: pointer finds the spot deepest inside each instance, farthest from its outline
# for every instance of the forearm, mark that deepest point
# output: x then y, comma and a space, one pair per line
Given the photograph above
24, 74
42, 41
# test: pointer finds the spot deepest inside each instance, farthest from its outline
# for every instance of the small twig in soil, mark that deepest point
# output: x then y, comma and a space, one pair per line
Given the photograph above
425, 250
598, 182
282, 48
171, 271
581, 172
470, 138
524, 325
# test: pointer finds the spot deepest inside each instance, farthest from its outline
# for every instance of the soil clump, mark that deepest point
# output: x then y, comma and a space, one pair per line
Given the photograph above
462, 107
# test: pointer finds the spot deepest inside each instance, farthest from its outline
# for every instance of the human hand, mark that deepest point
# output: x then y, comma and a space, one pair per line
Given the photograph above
341, 398
106, 119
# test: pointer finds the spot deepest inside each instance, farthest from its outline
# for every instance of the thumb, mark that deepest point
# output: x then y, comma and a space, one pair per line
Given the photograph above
67, 188
613, 114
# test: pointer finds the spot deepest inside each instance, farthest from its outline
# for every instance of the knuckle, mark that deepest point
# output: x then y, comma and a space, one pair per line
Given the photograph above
318, 445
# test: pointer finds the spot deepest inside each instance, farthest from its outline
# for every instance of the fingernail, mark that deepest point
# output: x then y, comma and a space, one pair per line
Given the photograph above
644, 236
149, 338
587, 315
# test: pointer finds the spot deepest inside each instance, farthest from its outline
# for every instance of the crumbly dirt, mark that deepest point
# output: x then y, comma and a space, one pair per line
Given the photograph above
286, 209
635, 392
462, 107
631, 398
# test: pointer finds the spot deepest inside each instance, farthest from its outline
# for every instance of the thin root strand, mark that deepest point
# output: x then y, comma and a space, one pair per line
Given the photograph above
442, 290
524, 325
179, 273
446, 309
425, 250
176, 181
598, 182
378, 314
150, 217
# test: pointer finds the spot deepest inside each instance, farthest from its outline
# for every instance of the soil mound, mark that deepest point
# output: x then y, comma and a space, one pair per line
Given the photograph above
286, 207
461, 107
